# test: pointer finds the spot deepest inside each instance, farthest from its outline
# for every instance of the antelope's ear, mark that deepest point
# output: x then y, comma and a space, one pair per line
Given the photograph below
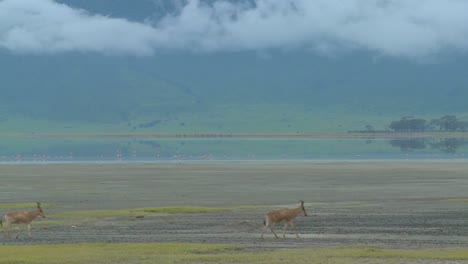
302, 202
38, 204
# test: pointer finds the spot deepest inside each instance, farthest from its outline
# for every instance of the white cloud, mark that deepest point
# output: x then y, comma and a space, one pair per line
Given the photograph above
44, 26
410, 28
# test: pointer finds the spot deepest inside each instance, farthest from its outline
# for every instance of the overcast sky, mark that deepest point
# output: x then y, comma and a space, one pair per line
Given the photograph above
403, 28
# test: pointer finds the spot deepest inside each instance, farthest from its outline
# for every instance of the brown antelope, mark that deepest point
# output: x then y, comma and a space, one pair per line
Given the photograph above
286, 215
21, 217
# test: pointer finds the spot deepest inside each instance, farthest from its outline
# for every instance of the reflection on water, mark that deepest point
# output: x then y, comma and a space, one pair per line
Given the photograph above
446, 145
172, 149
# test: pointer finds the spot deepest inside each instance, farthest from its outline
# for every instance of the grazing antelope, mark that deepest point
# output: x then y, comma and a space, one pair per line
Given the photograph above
21, 217
286, 215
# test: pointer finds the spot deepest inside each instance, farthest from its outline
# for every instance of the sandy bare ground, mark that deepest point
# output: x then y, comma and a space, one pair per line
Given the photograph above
383, 204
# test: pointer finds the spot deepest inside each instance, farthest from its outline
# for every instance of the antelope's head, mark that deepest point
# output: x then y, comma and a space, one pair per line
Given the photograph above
39, 209
303, 208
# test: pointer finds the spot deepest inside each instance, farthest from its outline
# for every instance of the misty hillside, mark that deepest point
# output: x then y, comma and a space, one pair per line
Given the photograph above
284, 90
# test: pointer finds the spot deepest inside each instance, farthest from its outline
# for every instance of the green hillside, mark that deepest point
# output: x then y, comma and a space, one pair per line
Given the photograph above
222, 93
185, 91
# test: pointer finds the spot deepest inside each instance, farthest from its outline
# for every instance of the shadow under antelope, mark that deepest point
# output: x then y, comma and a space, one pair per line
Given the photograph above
285, 215
21, 217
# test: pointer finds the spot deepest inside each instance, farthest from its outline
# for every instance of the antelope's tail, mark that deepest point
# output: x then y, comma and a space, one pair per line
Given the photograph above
1, 223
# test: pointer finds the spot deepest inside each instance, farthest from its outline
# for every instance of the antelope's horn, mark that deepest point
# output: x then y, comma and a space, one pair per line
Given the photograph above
38, 204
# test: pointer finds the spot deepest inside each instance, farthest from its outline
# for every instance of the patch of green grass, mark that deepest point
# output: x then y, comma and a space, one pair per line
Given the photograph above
178, 210
95, 213
152, 210
250, 207
195, 209
107, 253
436, 254
140, 211
345, 256
47, 223
213, 253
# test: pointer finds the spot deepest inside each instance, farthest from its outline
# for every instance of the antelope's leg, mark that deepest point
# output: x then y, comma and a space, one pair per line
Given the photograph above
294, 228
263, 230
271, 228
284, 230
6, 229
29, 230
20, 227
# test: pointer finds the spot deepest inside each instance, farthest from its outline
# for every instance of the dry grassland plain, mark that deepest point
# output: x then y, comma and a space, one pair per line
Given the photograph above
358, 212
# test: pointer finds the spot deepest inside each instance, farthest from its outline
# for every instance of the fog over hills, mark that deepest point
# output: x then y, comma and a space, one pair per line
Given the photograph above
292, 65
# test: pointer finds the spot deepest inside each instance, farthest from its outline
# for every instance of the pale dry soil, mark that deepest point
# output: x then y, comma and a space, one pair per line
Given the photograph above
417, 205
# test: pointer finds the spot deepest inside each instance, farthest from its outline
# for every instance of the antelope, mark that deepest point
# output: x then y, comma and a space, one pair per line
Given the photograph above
21, 217
286, 215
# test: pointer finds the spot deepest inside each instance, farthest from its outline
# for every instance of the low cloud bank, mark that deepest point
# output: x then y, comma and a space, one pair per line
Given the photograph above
406, 28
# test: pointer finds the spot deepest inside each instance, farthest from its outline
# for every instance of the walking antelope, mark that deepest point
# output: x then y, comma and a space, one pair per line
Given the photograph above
286, 215
21, 217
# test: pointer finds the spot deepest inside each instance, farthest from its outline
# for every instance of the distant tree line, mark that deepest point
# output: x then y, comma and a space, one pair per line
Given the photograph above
447, 123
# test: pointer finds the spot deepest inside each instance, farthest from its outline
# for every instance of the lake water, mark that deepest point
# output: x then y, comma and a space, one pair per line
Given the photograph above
40, 149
